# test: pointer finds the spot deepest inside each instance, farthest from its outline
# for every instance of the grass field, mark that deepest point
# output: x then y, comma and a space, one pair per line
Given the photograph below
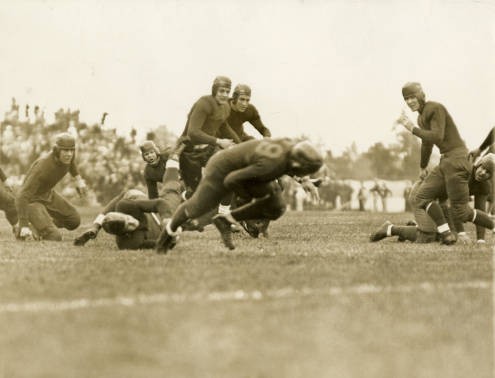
316, 299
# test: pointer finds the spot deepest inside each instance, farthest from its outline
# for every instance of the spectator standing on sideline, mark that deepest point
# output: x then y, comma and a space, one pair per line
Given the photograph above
362, 197
384, 192
407, 193
375, 193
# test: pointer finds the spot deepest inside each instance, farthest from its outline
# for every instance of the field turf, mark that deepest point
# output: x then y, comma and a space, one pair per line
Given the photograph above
315, 299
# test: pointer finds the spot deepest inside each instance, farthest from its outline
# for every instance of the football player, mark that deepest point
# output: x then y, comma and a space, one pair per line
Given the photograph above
7, 202
155, 166
241, 110
39, 204
424, 229
132, 218
133, 203
206, 122
436, 127
248, 170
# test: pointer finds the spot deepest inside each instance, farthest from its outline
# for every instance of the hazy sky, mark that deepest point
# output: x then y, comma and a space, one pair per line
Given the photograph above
332, 70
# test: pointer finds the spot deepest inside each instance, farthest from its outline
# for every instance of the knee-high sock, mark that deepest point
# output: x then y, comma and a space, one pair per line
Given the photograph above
435, 212
482, 219
406, 232
454, 224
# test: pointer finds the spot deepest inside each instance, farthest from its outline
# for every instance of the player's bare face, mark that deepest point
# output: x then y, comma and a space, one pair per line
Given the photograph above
66, 156
242, 103
481, 174
413, 103
150, 157
222, 95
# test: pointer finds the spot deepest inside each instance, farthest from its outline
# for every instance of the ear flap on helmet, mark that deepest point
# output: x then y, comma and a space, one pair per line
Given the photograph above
241, 89
413, 89
220, 81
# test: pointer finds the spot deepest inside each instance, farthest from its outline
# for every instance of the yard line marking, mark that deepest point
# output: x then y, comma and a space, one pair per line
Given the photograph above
237, 295
56, 259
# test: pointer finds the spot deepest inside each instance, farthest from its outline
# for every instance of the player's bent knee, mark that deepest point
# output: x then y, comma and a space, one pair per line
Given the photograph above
51, 234
276, 212
462, 212
72, 222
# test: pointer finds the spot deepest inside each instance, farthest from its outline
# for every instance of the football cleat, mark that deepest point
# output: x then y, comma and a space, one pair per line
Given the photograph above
263, 227
193, 225
250, 228
235, 228
165, 242
381, 233
224, 227
447, 238
87, 235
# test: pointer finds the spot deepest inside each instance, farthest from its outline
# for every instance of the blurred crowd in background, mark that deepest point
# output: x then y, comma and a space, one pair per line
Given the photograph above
110, 162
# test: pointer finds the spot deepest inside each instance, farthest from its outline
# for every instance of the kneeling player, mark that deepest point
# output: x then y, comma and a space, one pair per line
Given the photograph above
425, 231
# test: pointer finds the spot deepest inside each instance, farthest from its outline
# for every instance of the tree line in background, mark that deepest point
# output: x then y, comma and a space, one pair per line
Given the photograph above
397, 161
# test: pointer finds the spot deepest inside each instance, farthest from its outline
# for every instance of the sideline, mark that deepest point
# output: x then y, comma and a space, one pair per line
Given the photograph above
238, 295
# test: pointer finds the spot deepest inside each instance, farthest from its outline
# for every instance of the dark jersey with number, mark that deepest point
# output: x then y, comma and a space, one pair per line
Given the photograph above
206, 121
251, 115
153, 174
436, 127
252, 161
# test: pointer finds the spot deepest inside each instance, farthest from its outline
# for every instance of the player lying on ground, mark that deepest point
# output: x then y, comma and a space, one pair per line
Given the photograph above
248, 170
424, 231
131, 215
132, 218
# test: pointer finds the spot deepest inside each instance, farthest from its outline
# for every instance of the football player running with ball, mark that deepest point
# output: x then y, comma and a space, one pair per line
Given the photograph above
248, 170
